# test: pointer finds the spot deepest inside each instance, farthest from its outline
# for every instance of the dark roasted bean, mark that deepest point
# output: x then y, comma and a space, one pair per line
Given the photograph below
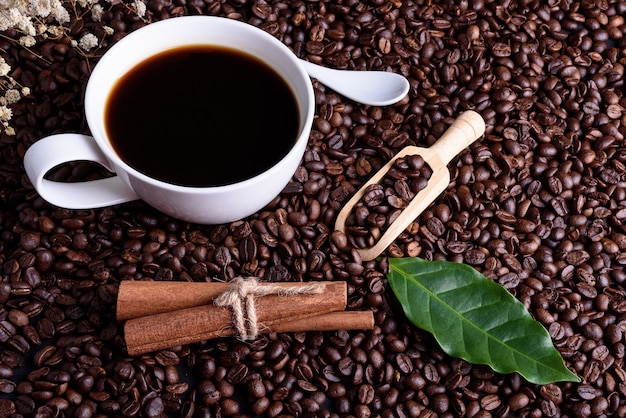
537, 205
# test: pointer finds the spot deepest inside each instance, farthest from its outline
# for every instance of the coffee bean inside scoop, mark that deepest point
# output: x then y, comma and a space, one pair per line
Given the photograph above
382, 202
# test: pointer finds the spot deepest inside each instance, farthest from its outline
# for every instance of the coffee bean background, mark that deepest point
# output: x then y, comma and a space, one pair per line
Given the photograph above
538, 205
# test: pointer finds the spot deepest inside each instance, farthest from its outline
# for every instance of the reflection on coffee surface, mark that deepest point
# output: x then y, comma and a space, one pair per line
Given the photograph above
201, 115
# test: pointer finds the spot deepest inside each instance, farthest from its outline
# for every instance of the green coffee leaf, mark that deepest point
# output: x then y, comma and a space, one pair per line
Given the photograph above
476, 319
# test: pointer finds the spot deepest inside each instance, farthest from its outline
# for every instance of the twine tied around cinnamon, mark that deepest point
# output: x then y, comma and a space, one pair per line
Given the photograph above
240, 297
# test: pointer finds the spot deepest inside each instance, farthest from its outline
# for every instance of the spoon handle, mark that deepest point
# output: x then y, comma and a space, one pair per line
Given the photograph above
375, 88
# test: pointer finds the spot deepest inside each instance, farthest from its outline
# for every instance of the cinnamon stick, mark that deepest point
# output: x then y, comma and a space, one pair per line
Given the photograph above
344, 320
142, 298
183, 326
139, 342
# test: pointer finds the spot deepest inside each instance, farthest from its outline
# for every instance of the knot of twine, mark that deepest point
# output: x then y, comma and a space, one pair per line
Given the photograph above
240, 296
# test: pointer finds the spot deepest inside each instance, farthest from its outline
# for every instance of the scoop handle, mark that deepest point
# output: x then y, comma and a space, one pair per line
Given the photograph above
466, 129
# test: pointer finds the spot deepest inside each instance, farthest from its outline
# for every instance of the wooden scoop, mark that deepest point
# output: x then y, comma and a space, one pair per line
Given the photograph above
466, 129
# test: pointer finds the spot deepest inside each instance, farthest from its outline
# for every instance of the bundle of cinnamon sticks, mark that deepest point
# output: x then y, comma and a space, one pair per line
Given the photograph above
160, 315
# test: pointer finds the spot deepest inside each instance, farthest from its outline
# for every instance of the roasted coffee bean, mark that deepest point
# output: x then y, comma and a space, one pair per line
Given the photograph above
237, 373
18, 318
404, 363
167, 358
518, 401
366, 394
7, 407
24, 405
7, 386
130, 408
154, 407
6, 372
536, 204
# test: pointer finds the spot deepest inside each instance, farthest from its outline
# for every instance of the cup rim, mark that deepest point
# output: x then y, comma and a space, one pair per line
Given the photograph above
307, 100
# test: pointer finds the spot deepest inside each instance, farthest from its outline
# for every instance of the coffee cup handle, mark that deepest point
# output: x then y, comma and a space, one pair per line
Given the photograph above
52, 151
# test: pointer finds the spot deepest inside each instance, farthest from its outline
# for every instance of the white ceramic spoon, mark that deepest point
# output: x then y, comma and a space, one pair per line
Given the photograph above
377, 88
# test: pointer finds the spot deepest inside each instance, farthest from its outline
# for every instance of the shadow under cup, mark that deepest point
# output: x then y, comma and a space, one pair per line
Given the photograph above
175, 109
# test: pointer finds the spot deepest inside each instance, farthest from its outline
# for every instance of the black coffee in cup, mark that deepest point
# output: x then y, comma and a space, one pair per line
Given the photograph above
201, 115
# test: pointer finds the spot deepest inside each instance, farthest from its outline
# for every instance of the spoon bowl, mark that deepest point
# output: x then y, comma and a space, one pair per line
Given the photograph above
376, 88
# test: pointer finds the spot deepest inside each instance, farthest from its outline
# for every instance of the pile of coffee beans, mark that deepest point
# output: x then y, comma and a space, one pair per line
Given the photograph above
538, 205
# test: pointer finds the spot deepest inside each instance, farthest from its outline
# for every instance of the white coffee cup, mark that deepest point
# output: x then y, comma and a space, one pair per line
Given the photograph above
205, 205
